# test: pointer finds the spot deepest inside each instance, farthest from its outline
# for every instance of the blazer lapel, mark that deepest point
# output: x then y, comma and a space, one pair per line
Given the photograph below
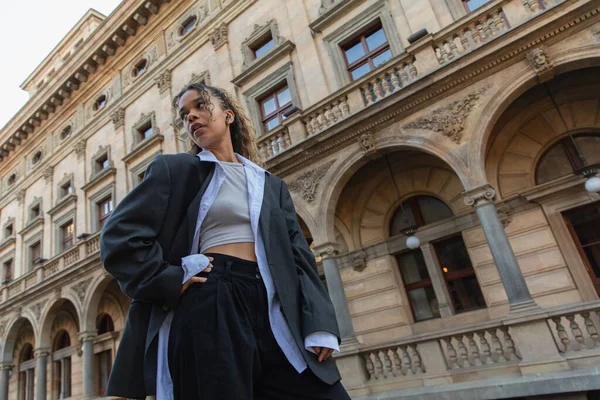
194, 207
265, 214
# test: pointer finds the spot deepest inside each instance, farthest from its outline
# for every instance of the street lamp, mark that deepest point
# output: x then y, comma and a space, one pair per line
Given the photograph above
412, 241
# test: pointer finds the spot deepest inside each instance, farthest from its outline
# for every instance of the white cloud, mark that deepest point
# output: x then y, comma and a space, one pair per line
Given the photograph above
29, 30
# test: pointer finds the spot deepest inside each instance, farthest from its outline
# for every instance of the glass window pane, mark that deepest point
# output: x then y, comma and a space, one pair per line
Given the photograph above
554, 165
376, 39
260, 51
382, 58
466, 294
424, 304
147, 133
473, 5
412, 267
453, 255
354, 52
284, 97
360, 71
272, 123
590, 148
269, 106
433, 210
399, 223
585, 221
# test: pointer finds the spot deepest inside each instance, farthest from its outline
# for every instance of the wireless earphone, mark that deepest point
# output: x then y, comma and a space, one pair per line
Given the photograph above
227, 118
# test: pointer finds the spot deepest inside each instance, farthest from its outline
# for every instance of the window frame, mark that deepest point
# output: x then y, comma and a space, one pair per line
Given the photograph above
182, 25
94, 202
279, 110
8, 263
103, 217
423, 283
98, 105
369, 55
136, 130
379, 12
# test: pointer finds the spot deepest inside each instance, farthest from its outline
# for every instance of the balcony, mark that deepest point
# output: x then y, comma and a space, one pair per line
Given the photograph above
562, 342
431, 59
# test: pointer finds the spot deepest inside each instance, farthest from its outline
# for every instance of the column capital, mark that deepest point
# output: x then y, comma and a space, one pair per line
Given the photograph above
41, 352
87, 335
327, 250
4, 366
479, 196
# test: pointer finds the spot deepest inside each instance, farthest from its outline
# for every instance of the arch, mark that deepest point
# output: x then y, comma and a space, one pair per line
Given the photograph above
62, 314
10, 342
414, 205
523, 79
90, 307
342, 171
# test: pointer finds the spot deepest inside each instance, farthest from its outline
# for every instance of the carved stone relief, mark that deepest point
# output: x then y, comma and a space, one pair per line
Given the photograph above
80, 148
163, 81
2, 328
218, 36
595, 31
479, 196
449, 120
150, 55
174, 36
359, 261
307, 184
366, 142
539, 59
118, 117
21, 197
37, 310
48, 174
81, 288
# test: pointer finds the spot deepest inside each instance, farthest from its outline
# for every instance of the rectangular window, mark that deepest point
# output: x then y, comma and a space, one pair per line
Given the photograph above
102, 162
263, 46
66, 233
35, 211
35, 253
366, 51
105, 208
7, 271
66, 189
417, 284
62, 378
26, 384
459, 275
140, 177
104, 363
145, 131
472, 5
273, 107
8, 231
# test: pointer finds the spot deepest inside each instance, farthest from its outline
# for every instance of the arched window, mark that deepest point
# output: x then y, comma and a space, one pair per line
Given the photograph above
26, 372
100, 103
457, 271
567, 156
418, 211
188, 25
104, 324
61, 371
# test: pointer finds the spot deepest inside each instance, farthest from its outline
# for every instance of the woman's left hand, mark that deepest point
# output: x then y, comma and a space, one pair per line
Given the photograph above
324, 353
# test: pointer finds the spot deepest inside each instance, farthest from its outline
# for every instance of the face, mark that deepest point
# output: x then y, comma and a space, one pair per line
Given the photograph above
206, 130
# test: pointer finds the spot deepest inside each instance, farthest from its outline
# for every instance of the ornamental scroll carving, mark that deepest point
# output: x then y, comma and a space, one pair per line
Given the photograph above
163, 81
479, 196
80, 289
118, 117
218, 36
539, 59
307, 184
449, 120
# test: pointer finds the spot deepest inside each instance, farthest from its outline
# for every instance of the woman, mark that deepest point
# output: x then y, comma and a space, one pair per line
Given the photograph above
226, 299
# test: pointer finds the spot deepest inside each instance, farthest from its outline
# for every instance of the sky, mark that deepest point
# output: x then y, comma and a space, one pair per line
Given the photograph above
29, 31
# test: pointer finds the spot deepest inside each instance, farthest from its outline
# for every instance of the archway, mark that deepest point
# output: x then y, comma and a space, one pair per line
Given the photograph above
18, 351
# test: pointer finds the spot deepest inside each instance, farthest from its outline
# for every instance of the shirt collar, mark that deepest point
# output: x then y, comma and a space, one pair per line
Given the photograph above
207, 155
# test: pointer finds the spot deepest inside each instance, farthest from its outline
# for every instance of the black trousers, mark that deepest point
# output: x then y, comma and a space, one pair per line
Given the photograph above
221, 345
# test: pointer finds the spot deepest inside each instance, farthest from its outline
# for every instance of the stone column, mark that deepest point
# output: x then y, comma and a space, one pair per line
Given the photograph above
89, 366
4, 378
336, 290
437, 280
482, 199
41, 371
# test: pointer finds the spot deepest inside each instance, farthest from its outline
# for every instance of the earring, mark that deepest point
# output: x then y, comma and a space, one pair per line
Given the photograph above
227, 118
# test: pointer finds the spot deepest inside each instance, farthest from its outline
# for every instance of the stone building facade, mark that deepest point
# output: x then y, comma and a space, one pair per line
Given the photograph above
471, 126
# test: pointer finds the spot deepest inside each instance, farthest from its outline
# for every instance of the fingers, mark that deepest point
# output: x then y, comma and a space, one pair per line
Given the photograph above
325, 354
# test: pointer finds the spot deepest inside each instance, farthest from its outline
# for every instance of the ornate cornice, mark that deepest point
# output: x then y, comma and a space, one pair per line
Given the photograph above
307, 184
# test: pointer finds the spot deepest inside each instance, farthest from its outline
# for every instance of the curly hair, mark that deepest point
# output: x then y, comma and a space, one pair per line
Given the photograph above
242, 130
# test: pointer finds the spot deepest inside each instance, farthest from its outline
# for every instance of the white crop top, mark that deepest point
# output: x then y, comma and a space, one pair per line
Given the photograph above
228, 219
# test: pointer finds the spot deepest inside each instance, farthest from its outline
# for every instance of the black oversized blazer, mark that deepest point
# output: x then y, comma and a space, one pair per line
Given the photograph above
152, 228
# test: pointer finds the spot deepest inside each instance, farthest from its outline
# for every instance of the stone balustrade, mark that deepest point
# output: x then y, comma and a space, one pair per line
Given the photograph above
53, 266
576, 331
274, 143
327, 115
388, 81
391, 362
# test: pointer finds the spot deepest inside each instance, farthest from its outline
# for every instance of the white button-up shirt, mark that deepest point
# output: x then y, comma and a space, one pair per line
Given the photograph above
195, 263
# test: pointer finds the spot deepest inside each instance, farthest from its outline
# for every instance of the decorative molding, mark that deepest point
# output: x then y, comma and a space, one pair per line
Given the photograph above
174, 36
2, 329
21, 197
118, 117
479, 196
366, 142
80, 148
48, 172
128, 73
539, 59
259, 32
143, 120
218, 36
359, 261
327, 250
163, 81
595, 31
449, 120
81, 288
308, 183
37, 310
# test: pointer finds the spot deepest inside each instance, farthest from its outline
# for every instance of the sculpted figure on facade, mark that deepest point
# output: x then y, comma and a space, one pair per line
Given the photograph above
539, 59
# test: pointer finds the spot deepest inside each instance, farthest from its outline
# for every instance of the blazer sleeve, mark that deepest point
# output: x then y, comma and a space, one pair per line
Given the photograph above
129, 246
317, 313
